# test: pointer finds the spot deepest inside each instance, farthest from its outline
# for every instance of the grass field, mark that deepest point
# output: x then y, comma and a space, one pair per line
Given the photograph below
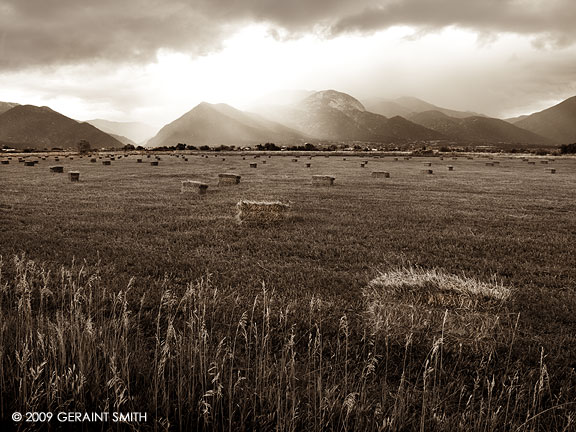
119, 293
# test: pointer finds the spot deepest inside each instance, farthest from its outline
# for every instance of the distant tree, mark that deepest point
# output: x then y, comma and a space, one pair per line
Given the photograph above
568, 148
129, 147
191, 147
83, 146
140, 148
205, 148
181, 146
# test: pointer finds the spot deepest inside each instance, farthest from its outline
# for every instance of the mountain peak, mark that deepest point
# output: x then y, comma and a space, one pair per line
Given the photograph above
334, 99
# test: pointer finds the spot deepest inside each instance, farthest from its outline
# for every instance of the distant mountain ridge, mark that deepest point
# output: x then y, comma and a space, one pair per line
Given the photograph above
221, 124
29, 126
5, 106
337, 116
557, 123
135, 132
477, 129
407, 106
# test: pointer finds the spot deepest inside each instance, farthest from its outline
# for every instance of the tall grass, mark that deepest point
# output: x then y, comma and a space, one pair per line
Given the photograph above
204, 359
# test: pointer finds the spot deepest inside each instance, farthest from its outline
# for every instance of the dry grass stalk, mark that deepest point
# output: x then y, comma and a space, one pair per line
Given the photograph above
322, 180
193, 187
261, 212
227, 179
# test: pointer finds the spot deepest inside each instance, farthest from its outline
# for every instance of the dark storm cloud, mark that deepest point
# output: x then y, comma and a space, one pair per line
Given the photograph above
53, 32
548, 20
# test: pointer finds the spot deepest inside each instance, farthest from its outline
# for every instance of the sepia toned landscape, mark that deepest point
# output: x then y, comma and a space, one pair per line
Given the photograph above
288, 216
417, 301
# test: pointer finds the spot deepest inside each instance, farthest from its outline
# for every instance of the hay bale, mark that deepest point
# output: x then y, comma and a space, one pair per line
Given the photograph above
489, 163
450, 168
427, 163
264, 162
294, 160
380, 174
191, 186
253, 165
185, 159
441, 158
308, 165
138, 160
74, 176
227, 179
106, 162
261, 212
427, 171
93, 160
362, 165
29, 163
5, 162
396, 159
57, 169
531, 163
552, 170
343, 159
544, 162
322, 180
223, 159
154, 163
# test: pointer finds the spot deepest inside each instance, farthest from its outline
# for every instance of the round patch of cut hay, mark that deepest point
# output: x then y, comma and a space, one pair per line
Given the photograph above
431, 304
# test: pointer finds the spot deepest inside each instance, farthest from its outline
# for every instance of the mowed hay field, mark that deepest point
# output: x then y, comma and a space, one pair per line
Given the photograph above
433, 302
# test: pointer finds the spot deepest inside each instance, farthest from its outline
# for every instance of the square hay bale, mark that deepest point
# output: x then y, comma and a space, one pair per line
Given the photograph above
29, 163
362, 165
227, 179
253, 165
343, 159
294, 160
154, 163
395, 159
185, 159
261, 212
544, 162
57, 169
93, 160
380, 174
322, 180
450, 168
441, 158
263, 161
223, 159
552, 170
139, 160
308, 165
531, 163
427, 171
74, 176
427, 163
5, 162
106, 162
489, 163
191, 186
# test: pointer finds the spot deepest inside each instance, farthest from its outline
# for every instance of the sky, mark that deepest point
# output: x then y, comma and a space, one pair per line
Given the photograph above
153, 60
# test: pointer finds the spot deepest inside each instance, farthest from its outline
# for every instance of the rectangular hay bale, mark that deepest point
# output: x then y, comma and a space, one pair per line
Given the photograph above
261, 211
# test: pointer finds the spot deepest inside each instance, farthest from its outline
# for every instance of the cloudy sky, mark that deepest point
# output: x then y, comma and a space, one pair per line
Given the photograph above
153, 60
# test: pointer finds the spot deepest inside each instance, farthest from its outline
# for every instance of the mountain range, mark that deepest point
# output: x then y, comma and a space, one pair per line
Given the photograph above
325, 116
29, 126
